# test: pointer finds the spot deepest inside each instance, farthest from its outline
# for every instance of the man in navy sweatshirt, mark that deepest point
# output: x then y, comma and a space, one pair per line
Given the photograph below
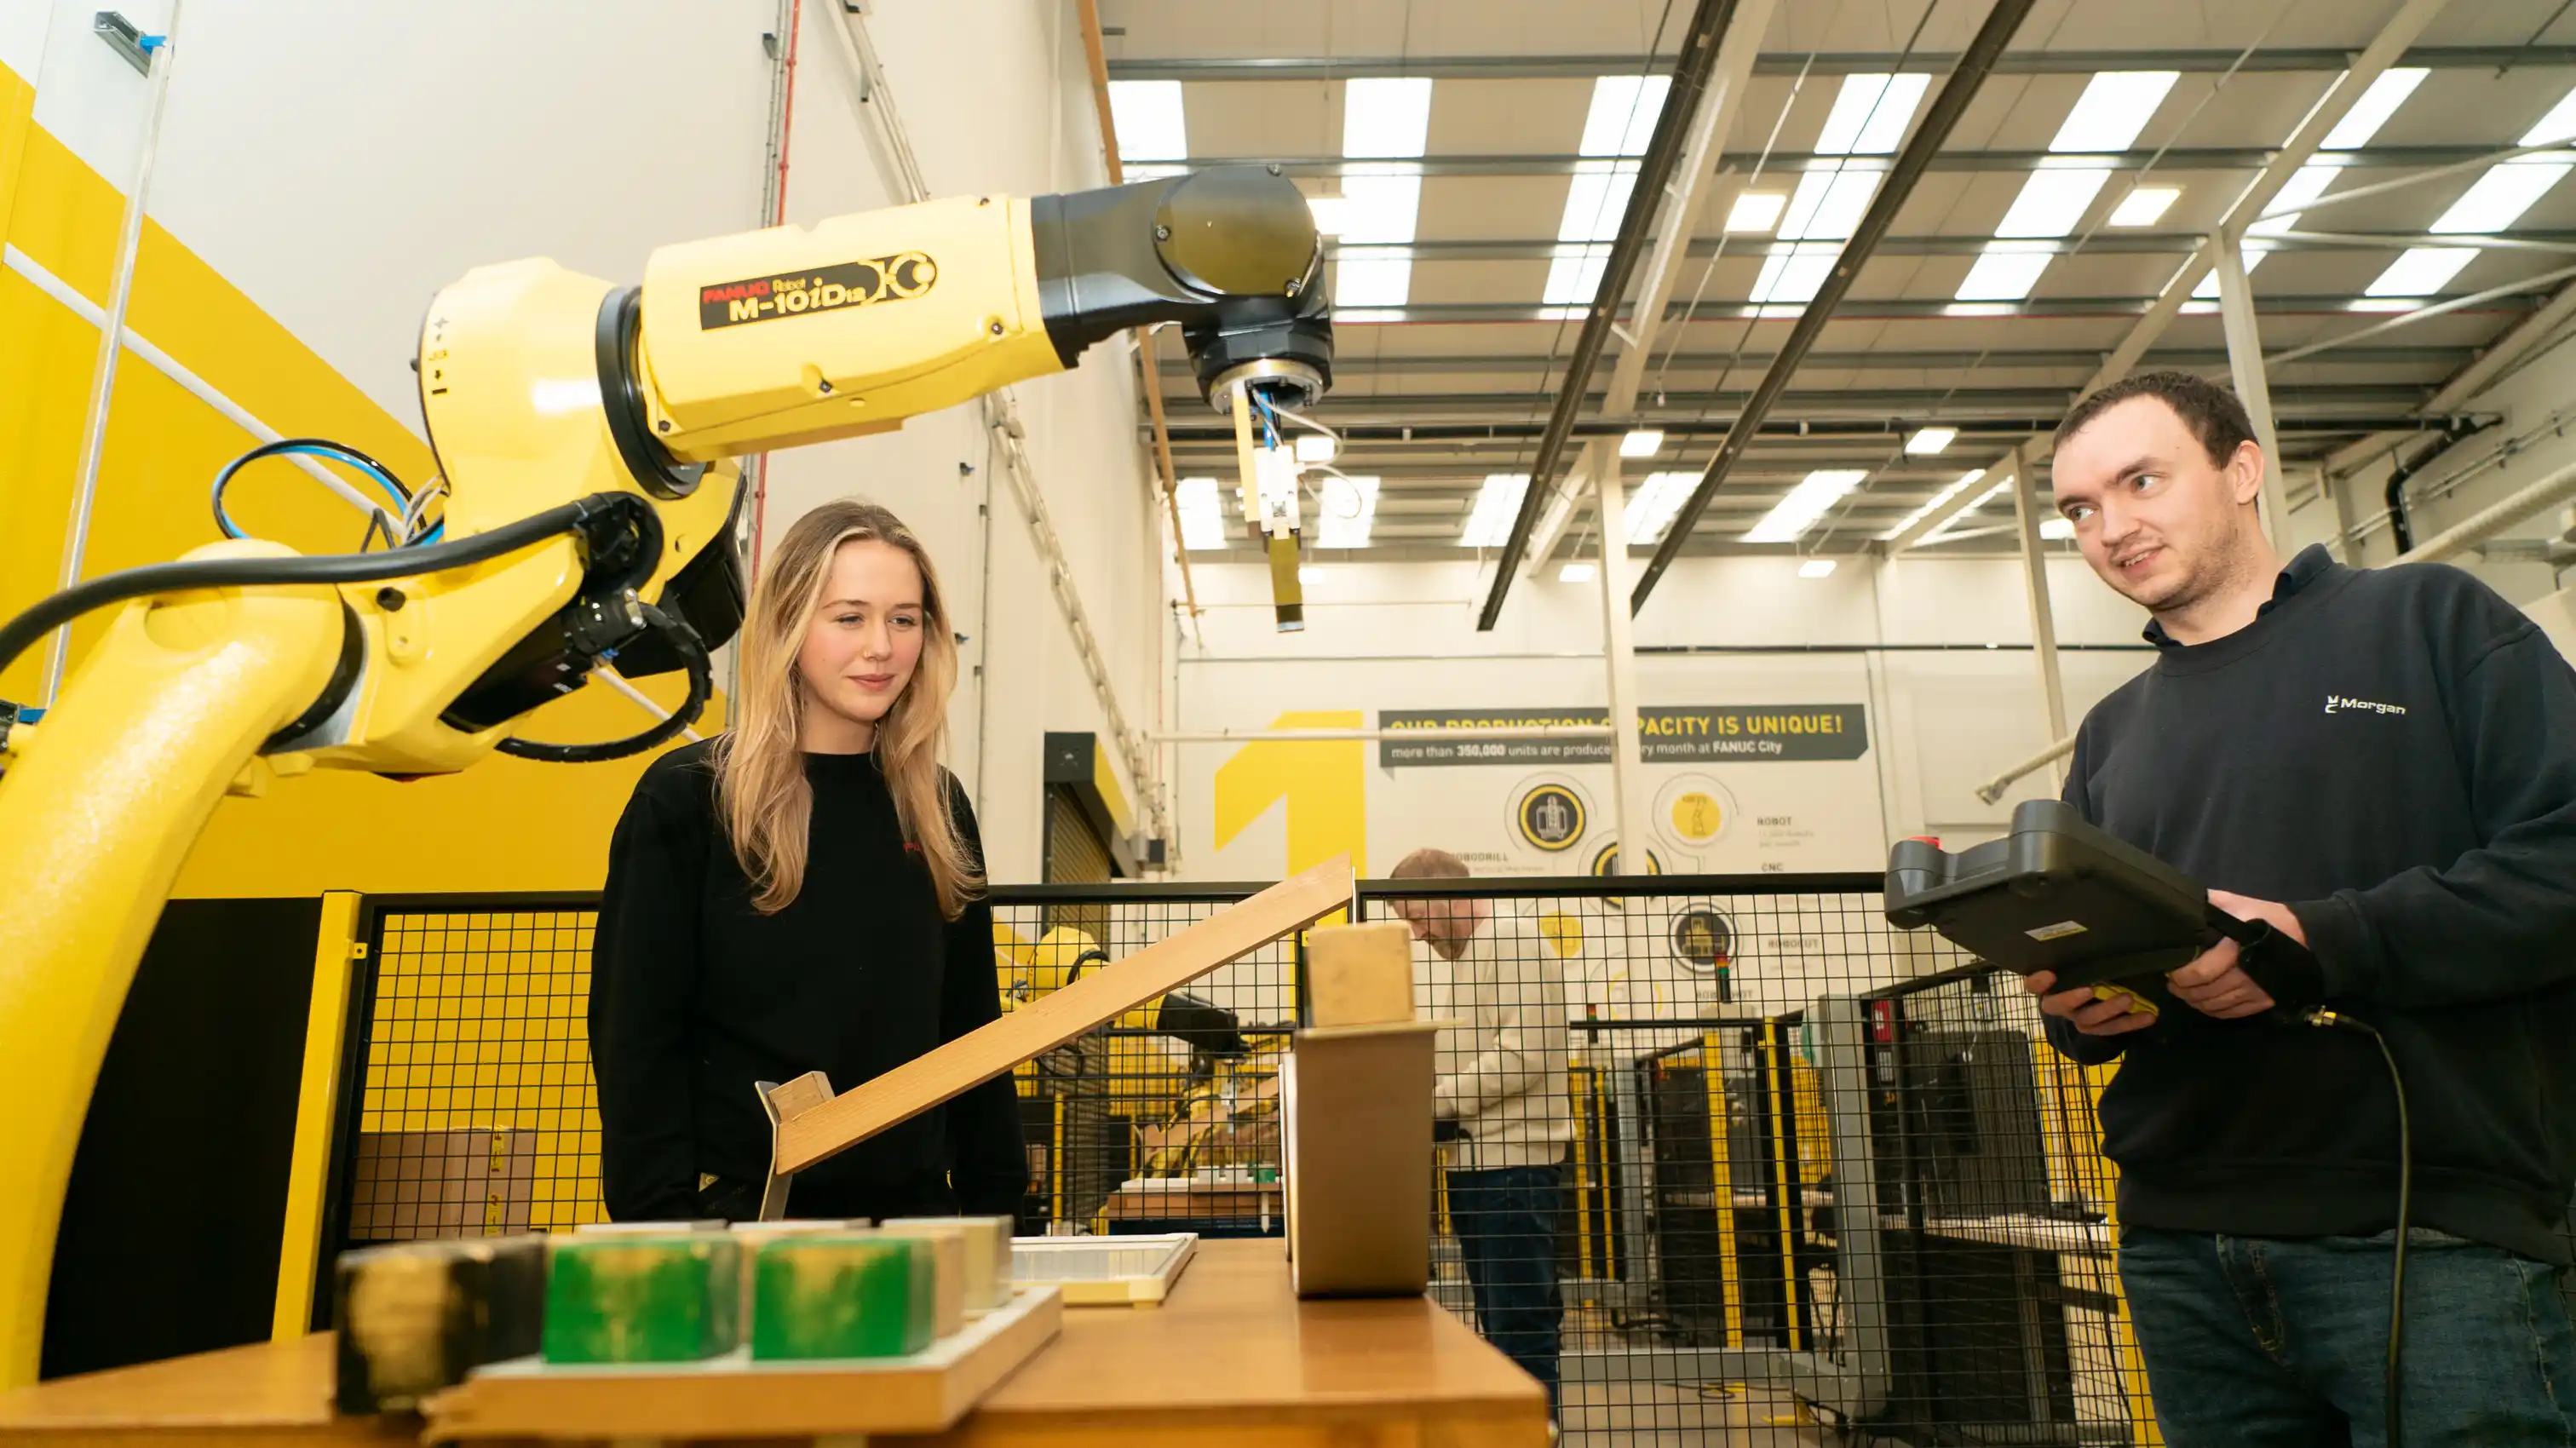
2382, 764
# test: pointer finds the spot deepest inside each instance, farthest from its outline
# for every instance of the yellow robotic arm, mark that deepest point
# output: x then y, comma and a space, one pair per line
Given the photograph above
584, 432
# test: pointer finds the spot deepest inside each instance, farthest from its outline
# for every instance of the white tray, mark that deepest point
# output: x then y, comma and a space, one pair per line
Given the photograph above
1092, 1270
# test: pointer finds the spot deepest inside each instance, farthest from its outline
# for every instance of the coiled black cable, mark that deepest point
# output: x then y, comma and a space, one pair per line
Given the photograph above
692, 650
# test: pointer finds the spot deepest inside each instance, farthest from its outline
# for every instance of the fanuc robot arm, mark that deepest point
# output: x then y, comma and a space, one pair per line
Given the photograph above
585, 433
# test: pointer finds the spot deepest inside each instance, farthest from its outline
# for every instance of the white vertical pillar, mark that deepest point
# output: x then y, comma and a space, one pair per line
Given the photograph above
2245, 366
2043, 620
1628, 808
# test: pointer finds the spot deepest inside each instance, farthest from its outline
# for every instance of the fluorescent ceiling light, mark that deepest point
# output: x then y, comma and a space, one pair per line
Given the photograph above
1577, 573
2052, 201
1387, 117
1148, 116
1378, 209
1622, 119
2115, 106
1346, 507
2497, 199
1596, 201
1933, 502
2058, 529
2493, 202
1870, 114
1828, 204
2421, 271
1202, 516
1794, 514
1330, 212
1930, 441
1314, 447
1795, 277
1489, 522
1654, 502
2374, 108
1381, 119
2003, 276
1755, 211
2558, 125
1816, 568
1375, 281
1574, 277
1643, 442
2144, 206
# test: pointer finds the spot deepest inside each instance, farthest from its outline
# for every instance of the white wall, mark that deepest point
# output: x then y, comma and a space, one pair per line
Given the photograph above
1941, 719
341, 163
995, 97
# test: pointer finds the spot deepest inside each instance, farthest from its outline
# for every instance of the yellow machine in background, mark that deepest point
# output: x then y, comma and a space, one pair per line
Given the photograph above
582, 431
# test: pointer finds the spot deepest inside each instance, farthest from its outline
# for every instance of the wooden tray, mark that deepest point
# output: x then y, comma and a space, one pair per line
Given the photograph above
1095, 1270
734, 1397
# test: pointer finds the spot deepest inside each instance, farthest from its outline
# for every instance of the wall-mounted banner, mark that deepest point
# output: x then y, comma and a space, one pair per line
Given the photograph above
1749, 733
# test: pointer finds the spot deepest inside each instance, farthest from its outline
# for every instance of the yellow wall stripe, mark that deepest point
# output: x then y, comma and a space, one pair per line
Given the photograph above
316, 1109
505, 824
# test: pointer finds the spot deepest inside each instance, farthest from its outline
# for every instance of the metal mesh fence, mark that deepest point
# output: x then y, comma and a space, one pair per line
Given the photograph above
1727, 1160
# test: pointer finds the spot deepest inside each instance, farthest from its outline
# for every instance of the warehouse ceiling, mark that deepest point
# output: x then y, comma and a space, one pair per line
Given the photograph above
1490, 160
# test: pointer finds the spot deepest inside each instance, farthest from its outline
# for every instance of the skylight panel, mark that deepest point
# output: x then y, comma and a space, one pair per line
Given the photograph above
1202, 515
1498, 502
1148, 116
2115, 106
1654, 502
1347, 507
1622, 119
1810, 500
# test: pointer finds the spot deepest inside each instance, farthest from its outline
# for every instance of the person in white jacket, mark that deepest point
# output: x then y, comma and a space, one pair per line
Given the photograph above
1501, 1103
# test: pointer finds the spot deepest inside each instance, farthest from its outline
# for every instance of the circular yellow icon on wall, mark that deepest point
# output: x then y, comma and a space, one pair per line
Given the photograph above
1697, 817
1550, 818
1693, 812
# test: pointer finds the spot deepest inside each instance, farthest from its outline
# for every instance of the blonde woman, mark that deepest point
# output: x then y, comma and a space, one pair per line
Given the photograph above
804, 893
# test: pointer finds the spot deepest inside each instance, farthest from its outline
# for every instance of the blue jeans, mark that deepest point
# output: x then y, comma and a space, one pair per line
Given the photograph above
2261, 1341
1506, 1224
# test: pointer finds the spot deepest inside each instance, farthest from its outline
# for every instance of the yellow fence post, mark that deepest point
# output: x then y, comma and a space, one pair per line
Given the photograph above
326, 1020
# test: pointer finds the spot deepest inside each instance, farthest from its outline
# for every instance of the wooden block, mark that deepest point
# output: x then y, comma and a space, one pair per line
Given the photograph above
987, 1255
1358, 1105
642, 1299
415, 1318
945, 1241
1360, 975
1101, 995
847, 1295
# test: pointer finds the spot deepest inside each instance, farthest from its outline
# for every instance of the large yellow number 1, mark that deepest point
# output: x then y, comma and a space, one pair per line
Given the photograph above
1325, 783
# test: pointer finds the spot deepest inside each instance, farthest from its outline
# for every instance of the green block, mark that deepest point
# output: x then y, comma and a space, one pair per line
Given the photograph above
841, 1297
620, 1299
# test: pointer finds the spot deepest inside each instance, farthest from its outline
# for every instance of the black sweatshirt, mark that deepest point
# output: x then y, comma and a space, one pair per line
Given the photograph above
694, 996
2392, 754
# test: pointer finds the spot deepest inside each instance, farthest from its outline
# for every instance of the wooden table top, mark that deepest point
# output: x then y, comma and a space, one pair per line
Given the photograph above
1232, 1347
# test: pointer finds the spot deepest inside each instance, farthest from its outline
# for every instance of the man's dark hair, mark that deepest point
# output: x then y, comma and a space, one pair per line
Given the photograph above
2211, 412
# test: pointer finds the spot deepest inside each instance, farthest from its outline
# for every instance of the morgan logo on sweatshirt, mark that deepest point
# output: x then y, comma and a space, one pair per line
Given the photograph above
2338, 704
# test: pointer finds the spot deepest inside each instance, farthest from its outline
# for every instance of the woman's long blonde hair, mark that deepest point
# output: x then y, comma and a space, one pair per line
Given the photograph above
761, 790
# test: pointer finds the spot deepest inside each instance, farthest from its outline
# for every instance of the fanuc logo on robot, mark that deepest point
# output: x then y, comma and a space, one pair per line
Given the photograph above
824, 289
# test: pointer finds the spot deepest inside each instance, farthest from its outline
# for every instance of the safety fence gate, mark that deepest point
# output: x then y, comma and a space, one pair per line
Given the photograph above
1764, 1168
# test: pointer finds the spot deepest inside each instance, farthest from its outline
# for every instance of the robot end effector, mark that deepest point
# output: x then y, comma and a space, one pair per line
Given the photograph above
1230, 254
